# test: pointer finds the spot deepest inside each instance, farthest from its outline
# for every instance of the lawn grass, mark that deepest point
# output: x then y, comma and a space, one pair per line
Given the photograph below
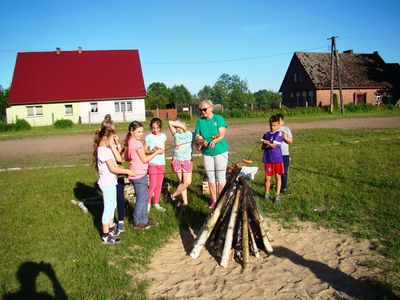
348, 180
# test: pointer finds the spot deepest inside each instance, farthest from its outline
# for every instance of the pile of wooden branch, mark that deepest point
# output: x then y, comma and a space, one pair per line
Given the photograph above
235, 224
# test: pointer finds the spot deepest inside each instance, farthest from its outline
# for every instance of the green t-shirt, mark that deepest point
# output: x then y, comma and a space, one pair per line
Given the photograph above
208, 128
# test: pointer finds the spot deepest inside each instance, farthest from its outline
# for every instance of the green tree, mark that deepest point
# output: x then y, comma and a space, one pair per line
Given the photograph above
158, 95
4, 94
230, 91
205, 93
180, 94
265, 99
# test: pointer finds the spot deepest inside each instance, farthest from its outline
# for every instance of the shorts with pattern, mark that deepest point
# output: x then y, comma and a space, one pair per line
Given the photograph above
182, 165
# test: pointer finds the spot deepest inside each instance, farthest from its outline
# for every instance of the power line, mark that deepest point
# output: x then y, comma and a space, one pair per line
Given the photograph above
229, 60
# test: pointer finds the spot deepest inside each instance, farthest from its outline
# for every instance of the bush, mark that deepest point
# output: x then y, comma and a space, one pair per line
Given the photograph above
184, 116
4, 126
22, 124
62, 124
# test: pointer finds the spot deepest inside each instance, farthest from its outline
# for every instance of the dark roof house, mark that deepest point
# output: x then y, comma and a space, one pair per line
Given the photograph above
364, 77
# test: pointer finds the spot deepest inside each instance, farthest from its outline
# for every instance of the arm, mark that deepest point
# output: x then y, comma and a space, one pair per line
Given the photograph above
221, 136
287, 139
118, 170
176, 124
145, 158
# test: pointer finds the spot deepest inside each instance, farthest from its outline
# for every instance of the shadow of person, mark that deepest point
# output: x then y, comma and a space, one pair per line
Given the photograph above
27, 274
93, 200
340, 281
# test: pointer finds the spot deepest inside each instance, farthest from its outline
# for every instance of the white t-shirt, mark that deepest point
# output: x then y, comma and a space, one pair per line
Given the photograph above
284, 145
106, 178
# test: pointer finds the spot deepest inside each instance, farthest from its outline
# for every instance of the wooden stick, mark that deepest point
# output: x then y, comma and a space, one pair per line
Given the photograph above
245, 233
226, 253
253, 243
257, 218
208, 226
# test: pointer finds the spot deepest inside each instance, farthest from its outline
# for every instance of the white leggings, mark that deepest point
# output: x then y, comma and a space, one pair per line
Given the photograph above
215, 167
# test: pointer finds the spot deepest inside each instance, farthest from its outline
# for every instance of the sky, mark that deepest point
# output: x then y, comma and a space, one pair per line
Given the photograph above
194, 42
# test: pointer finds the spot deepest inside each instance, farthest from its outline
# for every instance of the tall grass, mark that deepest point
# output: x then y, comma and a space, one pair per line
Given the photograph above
348, 180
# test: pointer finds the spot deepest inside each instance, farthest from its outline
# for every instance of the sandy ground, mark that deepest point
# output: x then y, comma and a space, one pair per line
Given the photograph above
307, 263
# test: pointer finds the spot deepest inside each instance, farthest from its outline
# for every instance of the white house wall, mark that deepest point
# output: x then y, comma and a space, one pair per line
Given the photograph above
51, 113
108, 107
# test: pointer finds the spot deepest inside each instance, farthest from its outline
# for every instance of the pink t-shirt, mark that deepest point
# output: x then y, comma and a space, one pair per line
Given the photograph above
106, 178
135, 163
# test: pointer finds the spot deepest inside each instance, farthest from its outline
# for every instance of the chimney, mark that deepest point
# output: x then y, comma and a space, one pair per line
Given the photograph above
350, 51
376, 52
58, 50
80, 50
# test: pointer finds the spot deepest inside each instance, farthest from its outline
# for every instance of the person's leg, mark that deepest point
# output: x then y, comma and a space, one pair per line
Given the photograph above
267, 184
141, 192
221, 163
179, 175
159, 181
278, 184
109, 201
209, 167
153, 181
121, 199
286, 163
186, 181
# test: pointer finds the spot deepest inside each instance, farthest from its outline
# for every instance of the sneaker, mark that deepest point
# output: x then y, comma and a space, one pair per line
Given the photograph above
121, 227
159, 208
110, 240
277, 200
267, 198
143, 226
115, 232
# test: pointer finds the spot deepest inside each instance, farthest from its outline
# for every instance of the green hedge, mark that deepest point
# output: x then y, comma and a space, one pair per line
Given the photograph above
62, 124
19, 125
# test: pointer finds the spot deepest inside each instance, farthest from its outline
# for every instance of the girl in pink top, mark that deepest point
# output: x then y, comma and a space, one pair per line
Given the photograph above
138, 163
104, 154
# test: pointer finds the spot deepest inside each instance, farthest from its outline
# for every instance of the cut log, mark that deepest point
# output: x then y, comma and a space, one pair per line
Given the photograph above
205, 231
253, 243
226, 253
245, 233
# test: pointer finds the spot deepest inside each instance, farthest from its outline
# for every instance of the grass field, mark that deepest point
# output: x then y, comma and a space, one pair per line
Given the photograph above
348, 180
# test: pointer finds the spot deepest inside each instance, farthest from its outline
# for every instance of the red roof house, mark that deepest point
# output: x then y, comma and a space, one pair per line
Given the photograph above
79, 85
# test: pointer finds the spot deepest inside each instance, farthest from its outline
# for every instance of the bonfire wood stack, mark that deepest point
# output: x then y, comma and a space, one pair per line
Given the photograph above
235, 224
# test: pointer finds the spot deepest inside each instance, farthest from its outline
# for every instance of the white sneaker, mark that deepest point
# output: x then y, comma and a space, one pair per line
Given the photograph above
159, 208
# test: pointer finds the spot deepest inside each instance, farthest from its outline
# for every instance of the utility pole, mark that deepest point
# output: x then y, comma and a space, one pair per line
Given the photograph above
334, 55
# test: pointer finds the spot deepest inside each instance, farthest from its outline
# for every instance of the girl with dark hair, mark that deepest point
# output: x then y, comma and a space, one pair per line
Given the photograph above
104, 153
155, 140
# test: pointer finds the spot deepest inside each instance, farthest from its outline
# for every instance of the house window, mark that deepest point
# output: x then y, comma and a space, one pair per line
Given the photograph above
295, 77
68, 110
311, 97
378, 98
93, 107
122, 106
34, 111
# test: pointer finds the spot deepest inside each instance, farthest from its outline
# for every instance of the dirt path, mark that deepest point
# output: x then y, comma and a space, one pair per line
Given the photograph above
82, 143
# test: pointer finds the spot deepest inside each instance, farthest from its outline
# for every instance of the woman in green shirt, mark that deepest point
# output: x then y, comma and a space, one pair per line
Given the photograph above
210, 134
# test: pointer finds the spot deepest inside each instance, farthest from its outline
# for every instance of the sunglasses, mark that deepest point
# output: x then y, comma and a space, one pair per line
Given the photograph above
204, 109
